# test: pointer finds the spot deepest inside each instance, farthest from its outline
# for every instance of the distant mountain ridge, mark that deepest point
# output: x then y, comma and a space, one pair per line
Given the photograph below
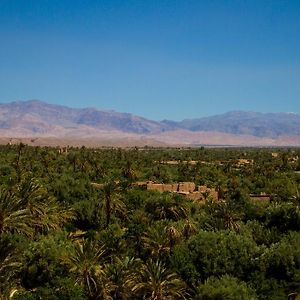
36, 115
250, 123
37, 118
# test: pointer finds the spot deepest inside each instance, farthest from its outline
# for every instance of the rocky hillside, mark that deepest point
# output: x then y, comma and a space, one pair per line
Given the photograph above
38, 119
250, 123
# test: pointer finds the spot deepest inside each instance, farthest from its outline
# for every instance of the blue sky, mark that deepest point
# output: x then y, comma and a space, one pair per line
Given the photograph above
158, 59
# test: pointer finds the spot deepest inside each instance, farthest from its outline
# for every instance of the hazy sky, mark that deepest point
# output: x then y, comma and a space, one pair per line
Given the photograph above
159, 59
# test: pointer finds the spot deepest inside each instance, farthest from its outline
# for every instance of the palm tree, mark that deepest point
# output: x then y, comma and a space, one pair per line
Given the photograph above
112, 203
155, 241
14, 214
188, 229
225, 214
128, 172
18, 161
122, 273
9, 266
156, 282
160, 238
173, 235
87, 263
166, 206
27, 208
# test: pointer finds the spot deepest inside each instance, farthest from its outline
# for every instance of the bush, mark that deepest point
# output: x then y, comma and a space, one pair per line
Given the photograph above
223, 252
226, 287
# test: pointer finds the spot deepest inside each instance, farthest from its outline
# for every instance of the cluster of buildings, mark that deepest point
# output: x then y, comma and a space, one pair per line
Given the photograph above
189, 189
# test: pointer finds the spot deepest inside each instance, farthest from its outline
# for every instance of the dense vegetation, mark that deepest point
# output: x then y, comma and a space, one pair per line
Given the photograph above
63, 237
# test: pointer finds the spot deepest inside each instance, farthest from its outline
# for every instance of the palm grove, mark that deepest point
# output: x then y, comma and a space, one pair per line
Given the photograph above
63, 237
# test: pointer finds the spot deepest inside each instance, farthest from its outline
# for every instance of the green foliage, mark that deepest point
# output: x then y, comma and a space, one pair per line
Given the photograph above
261, 234
155, 281
64, 289
283, 216
87, 264
43, 260
166, 206
225, 287
77, 225
123, 272
223, 252
282, 260
181, 261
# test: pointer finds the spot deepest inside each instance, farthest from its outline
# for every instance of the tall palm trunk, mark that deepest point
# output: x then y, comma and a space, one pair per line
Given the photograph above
107, 207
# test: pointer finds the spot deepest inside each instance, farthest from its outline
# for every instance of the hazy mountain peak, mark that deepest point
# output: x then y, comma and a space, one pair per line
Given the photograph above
247, 122
38, 116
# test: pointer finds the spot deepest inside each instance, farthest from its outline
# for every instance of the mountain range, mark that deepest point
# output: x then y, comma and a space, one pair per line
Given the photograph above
37, 119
